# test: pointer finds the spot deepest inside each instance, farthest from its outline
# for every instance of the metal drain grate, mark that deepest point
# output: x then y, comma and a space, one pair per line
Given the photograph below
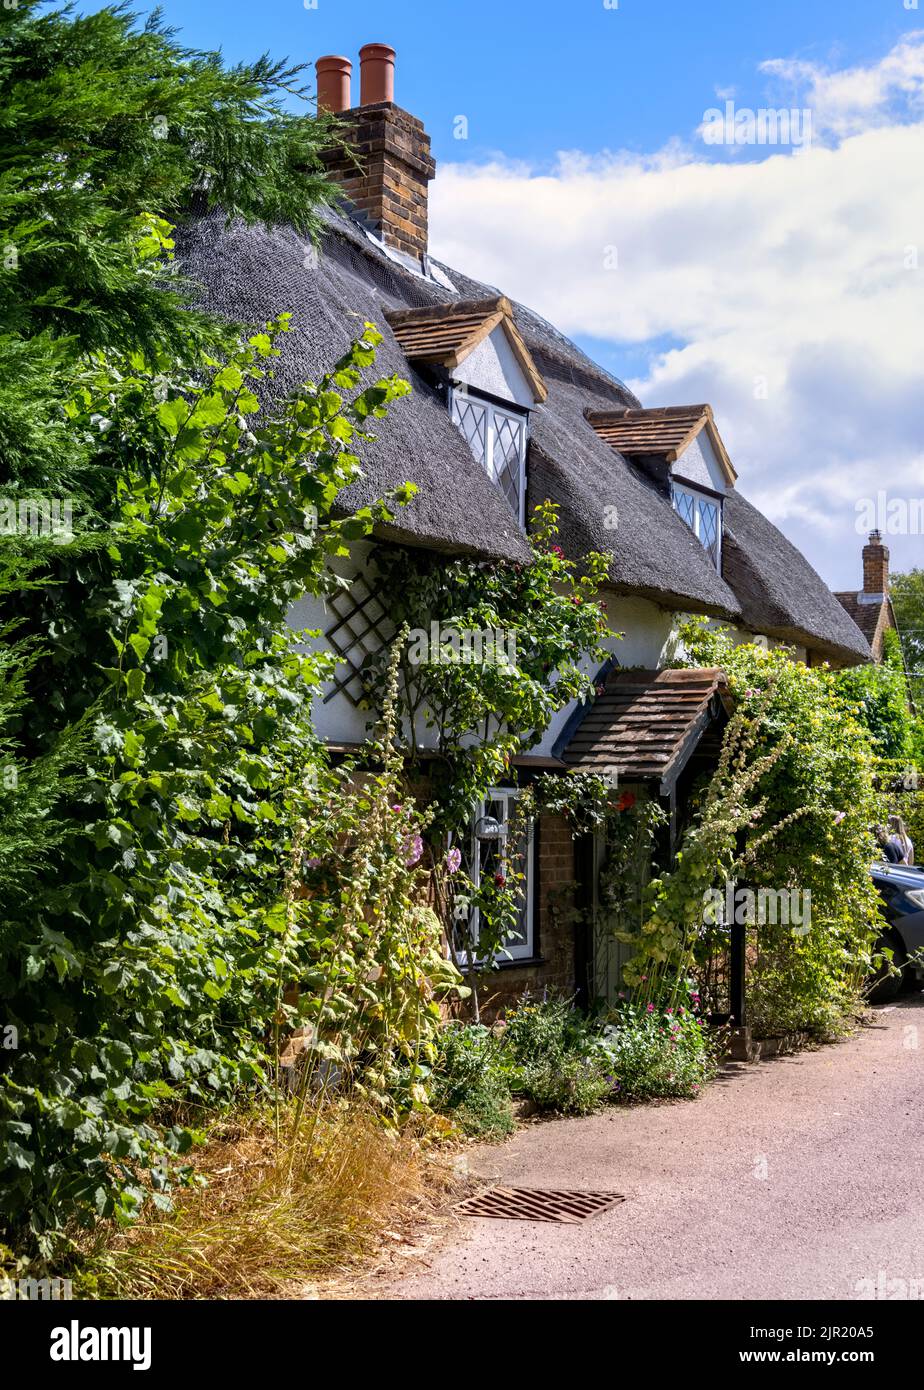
539, 1204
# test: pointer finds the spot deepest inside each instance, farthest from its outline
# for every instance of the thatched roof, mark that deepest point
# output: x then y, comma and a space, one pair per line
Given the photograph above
607, 502
780, 593
252, 273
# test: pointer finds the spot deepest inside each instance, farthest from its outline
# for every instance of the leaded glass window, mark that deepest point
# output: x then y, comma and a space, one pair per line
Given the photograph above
471, 416
686, 507
703, 515
709, 528
497, 439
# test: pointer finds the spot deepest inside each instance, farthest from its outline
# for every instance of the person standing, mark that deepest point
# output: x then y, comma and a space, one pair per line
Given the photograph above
900, 838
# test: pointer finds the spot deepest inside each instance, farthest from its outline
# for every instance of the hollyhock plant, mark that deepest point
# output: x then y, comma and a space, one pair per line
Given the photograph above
413, 851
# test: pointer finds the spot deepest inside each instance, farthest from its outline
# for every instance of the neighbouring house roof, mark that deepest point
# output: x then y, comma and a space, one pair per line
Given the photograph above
607, 502
666, 431
445, 334
646, 725
872, 617
867, 616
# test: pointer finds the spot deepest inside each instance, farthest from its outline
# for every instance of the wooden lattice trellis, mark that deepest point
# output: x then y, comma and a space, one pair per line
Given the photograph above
362, 628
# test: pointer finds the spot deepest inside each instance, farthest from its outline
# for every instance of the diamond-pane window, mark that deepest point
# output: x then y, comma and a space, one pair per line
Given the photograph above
709, 527
472, 418
497, 439
508, 444
704, 518
685, 505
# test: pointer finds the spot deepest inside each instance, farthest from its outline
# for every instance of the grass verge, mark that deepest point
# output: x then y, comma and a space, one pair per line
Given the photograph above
271, 1221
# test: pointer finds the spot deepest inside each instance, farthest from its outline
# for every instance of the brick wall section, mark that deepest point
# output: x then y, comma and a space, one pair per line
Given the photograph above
875, 566
555, 884
387, 175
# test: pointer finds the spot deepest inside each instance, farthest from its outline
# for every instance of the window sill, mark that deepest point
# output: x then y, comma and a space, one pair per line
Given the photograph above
520, 961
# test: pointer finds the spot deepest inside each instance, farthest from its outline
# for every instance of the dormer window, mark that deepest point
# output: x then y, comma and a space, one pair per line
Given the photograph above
682, 439
703, 515
496, 436
478, 355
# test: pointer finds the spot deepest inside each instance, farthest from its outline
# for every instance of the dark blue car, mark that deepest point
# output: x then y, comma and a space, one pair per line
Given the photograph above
902, 892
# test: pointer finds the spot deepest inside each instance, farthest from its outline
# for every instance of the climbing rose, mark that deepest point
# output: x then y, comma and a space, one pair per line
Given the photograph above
500, 879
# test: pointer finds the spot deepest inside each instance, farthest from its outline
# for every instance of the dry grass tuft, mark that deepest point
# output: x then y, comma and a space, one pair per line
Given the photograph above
269, 1221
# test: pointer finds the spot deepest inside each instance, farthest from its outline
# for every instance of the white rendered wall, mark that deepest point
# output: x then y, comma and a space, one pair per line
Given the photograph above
492, 366
698, 465
649, 642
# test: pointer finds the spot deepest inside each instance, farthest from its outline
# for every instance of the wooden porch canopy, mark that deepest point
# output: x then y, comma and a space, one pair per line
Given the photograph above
646, 725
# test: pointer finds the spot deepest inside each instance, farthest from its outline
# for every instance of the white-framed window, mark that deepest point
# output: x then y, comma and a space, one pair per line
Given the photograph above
703, 515
488, 857
497, 439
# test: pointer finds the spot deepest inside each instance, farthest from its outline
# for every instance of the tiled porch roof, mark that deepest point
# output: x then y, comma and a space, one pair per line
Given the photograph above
646, 724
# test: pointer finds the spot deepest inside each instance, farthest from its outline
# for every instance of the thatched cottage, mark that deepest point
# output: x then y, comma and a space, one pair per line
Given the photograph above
507, 412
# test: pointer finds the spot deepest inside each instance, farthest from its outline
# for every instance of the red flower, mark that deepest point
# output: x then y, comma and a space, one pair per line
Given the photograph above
499, 879
557, 550
626, 801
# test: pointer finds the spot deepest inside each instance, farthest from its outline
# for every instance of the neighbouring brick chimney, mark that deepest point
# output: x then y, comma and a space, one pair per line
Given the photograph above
875, 565
385, 177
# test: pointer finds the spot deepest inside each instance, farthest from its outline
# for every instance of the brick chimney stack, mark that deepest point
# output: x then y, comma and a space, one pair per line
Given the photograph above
385, 171
875, 566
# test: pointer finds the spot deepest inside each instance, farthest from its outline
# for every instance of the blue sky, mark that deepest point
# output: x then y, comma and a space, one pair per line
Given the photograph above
536, 76
786, 287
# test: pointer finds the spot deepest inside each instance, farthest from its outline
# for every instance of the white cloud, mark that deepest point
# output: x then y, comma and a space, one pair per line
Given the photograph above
848, 101
794, 271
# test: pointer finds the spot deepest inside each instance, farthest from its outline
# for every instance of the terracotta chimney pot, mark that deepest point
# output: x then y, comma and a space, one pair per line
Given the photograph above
377, 73
334, 75
383, 165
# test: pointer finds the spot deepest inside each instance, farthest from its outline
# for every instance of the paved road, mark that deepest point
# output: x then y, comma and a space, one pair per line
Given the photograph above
794, 1178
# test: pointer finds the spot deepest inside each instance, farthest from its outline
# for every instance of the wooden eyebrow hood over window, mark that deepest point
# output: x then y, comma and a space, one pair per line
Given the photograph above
445, 334
666, 432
